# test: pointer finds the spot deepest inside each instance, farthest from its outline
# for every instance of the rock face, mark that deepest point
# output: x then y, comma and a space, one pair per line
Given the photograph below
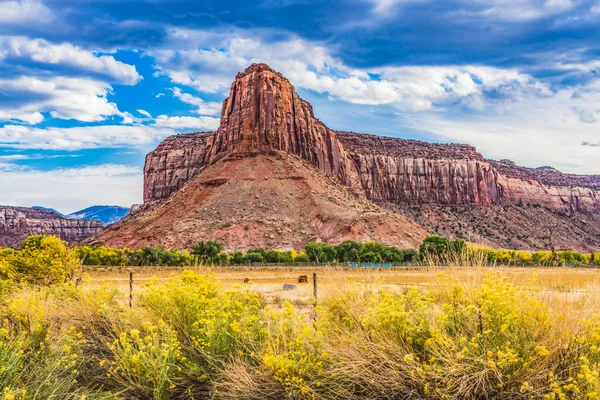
18, 223
174, 162
264, 115
395, 170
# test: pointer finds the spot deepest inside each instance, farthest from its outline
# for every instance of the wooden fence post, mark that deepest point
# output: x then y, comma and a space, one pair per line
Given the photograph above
131, 290
315, 286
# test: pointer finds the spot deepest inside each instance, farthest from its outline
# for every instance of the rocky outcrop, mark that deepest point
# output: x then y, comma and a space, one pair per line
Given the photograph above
175, 161
263, 114
18, 223
546, 175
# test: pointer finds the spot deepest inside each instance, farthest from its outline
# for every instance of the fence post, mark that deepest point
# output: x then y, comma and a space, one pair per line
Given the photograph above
131, 290
315, 286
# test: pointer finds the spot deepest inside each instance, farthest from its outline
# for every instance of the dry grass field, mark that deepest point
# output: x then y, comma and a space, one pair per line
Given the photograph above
269, 281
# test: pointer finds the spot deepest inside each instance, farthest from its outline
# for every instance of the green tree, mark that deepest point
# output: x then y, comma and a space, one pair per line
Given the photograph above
208, 252
252, 257
371, 257
434, 245
393, 255
348, 251
319, 252
301, 258
272, 256
237, 257
410, 255
285, 257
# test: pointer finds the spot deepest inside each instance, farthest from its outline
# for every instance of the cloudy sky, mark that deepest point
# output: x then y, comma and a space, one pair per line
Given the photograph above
88, 87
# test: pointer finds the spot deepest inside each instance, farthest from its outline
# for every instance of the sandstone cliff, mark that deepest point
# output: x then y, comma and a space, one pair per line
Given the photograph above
18, 223
395, 170
174, 162
264, 115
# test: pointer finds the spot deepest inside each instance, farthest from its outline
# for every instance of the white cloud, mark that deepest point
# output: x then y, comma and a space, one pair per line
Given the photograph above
203, 123
42, 51
521, 10
15, 12
208, 62
71, 189
82, 99
539, 131
203, 107
383, 7
144, 113
100, 136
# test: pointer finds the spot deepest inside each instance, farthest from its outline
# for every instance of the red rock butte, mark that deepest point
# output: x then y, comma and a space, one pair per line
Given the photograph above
264, 115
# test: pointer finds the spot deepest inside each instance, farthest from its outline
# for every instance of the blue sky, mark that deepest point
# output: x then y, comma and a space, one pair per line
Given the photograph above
89, 87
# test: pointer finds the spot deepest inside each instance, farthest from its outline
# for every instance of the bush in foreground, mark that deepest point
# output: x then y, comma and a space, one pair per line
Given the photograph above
190, 338
40, 260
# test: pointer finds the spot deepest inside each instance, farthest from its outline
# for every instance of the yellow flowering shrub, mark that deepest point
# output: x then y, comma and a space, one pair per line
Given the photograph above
11, 357
41, 260
294, 353
212, 324
146, 361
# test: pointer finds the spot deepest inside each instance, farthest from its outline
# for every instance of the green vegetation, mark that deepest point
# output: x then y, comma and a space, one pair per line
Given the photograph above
434, 250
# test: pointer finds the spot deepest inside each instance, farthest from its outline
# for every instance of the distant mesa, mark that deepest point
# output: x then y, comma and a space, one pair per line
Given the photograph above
286, 178
18, 223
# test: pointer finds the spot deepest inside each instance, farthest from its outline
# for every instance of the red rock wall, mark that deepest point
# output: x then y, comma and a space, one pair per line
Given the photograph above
264, 113
18, 223
388, 179
177, 160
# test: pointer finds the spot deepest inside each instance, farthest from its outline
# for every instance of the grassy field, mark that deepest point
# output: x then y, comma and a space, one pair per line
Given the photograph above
269, 281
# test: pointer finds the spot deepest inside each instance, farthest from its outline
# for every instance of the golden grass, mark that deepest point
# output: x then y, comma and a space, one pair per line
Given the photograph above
564, 283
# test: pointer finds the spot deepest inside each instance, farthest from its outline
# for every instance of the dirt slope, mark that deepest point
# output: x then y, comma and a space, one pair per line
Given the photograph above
273, 200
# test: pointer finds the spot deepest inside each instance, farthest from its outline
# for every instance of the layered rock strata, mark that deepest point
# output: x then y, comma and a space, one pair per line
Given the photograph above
18, 223
175, 161
264, 115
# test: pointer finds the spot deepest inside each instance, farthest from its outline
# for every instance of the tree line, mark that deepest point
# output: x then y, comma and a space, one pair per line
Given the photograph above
434, 250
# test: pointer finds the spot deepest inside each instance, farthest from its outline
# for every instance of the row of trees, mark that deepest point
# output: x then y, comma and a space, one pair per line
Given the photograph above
212, 253
435, 250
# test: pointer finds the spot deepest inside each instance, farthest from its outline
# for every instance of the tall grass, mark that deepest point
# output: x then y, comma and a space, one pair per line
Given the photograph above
189, 338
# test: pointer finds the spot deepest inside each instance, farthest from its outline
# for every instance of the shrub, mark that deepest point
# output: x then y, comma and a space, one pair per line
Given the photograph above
42, 260
146, 361
213, 325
